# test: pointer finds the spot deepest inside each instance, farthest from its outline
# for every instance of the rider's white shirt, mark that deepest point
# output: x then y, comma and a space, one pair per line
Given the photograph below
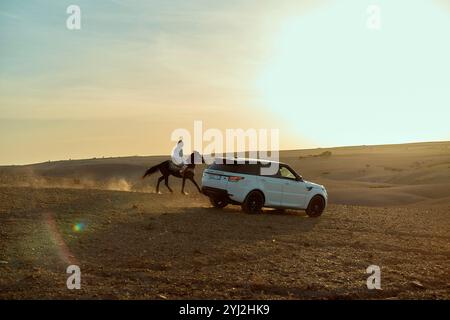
176, 157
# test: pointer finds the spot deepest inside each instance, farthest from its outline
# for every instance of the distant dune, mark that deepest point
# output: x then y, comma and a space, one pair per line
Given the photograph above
379, 175
384, 175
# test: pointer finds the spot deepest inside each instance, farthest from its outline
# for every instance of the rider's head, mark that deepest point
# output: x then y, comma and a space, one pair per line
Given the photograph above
180, 143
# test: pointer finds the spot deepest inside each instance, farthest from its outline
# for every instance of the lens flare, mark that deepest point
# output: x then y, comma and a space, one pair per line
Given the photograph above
61, 247
78, 227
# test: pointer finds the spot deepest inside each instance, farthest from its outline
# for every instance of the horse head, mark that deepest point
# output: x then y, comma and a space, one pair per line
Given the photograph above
196, 158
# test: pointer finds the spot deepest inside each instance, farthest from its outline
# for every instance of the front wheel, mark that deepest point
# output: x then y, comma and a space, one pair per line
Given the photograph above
218, 202
316, 206
254, 202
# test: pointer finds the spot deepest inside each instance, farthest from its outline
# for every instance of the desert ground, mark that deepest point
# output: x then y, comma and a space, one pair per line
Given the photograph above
388, 206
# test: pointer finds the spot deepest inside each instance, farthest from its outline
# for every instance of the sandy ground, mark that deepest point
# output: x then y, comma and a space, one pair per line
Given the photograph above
389, 207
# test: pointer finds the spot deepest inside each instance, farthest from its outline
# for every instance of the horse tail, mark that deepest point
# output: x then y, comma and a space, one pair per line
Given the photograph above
151, 171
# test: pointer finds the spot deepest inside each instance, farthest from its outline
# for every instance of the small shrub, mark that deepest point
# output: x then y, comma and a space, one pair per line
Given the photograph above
325, 154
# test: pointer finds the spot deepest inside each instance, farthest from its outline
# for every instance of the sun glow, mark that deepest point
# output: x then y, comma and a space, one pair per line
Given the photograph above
339, 83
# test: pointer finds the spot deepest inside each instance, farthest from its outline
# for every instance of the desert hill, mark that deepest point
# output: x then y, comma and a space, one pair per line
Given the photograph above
364, 175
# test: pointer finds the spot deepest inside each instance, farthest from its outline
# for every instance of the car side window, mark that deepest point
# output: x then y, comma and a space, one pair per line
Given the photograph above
284, 172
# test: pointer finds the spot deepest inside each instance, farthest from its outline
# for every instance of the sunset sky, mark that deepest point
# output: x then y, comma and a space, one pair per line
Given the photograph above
137, 70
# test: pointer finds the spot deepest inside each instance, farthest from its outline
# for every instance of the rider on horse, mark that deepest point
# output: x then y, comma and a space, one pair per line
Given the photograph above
178, 161
177, 167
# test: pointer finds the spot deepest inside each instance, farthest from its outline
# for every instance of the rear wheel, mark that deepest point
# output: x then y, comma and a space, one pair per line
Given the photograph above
218, 202
316, 206
254, 202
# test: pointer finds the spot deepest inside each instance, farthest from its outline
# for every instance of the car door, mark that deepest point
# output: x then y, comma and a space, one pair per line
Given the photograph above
272, 187
293, 190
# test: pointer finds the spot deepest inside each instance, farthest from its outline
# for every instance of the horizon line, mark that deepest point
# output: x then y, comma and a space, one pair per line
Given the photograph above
168, 155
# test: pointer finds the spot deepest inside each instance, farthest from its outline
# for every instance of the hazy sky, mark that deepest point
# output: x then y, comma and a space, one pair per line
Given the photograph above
137, 70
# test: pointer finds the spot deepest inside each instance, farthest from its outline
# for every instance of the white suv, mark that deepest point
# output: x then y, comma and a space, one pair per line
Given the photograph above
239, 181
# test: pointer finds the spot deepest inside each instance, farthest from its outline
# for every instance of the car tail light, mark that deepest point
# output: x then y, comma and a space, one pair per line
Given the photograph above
235, 178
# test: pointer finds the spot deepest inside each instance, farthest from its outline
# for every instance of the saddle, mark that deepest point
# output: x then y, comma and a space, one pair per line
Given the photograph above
175, 167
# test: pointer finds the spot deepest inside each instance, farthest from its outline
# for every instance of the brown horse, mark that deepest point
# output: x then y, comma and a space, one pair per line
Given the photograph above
167, 169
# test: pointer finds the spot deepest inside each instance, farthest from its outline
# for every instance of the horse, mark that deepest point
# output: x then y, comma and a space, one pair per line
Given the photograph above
167, 169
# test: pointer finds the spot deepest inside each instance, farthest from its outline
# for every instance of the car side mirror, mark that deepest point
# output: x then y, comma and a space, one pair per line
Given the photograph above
300, 178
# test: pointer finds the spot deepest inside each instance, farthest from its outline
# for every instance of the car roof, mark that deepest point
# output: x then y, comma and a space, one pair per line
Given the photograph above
231, 160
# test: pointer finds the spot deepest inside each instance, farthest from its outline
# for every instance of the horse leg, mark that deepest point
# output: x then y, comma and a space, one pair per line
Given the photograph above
159, 181
195, 183
166, 182
182, 186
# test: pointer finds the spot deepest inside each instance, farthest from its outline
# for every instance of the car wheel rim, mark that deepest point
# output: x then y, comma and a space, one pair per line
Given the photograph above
317, 205
254, 203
